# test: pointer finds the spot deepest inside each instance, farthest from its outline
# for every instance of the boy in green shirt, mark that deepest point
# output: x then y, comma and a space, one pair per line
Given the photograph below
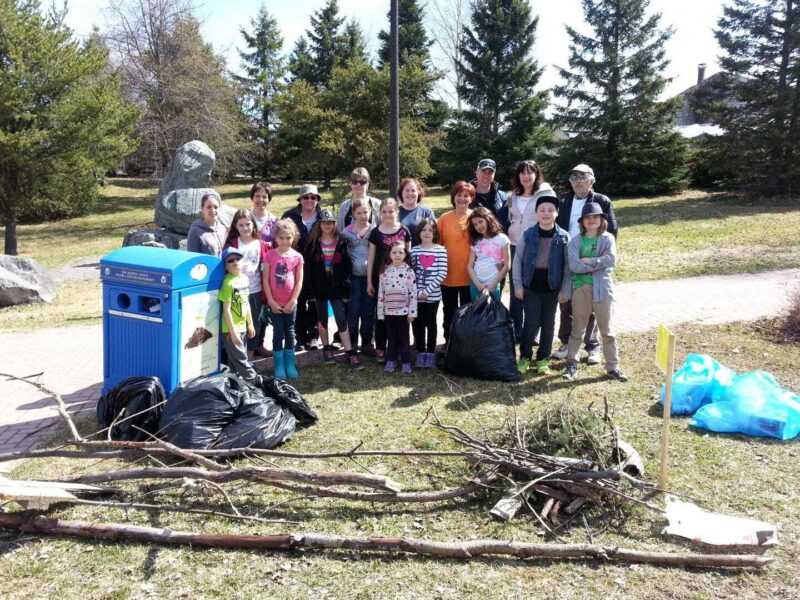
236, 318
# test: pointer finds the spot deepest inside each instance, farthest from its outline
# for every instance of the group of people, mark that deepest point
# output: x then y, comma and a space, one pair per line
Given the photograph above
382, 267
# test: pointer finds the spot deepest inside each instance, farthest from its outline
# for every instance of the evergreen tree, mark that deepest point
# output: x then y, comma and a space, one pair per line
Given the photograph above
264, 68
301, 63
355, 45
504, 115
756, 99
413, 40
327, 47
611, 106
63, 123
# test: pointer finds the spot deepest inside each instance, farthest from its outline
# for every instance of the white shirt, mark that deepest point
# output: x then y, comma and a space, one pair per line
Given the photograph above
577, 209
251, 264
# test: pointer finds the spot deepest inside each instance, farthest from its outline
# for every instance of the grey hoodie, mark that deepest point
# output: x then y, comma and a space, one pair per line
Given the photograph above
202, 238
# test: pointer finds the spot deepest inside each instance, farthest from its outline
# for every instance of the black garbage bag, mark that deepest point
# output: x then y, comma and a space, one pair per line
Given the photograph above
288, 397
481, 343
140, 396
259, 423
198, 411
224, 411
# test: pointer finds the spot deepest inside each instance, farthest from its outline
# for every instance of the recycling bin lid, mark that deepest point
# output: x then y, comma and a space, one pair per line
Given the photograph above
161, 268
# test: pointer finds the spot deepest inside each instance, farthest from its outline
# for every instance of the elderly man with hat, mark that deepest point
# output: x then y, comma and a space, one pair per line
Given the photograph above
487, 191
304, 216
582, 180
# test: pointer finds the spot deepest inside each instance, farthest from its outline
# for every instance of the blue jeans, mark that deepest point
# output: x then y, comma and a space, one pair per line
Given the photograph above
540, 311
283, 330
473, 292
361, 308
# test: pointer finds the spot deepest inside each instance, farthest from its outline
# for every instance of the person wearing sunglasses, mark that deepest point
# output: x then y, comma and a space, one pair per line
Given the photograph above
582, 180
304, 216
359, 184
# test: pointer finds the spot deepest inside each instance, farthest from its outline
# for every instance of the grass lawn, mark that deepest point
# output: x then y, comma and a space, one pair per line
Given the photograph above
732, 474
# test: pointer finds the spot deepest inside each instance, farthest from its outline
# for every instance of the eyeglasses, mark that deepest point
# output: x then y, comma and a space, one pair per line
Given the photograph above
359, 182
233, 259
308, 197
581, 177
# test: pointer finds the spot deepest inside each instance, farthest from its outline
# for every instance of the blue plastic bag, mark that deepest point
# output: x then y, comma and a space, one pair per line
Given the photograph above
754, 404
700, 380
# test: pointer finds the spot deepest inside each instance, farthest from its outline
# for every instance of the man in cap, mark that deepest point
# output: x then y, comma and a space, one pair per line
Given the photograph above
582, 180
487, 191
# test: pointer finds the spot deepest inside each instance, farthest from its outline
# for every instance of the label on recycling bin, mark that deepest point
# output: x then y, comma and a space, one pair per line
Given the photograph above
141, 276
199, 342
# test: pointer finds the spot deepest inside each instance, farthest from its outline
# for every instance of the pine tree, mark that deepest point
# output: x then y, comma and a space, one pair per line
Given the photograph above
264, 68
413, 40
611, 106
355, 45
504, 116
327, 46
756, 99
63, 123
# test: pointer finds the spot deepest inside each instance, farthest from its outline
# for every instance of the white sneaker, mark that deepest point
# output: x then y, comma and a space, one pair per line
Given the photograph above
593, 357
561, 353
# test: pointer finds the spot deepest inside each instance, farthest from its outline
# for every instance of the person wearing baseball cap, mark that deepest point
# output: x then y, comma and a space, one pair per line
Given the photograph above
236, 317
582, 180
304, 216
487, 191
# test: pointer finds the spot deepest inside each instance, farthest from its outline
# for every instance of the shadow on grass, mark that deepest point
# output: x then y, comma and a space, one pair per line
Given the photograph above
701, 207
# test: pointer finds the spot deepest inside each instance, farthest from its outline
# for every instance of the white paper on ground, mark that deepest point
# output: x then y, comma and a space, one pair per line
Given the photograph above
692, 522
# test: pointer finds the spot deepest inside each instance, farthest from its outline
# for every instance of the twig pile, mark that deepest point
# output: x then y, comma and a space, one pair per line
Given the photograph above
594, 475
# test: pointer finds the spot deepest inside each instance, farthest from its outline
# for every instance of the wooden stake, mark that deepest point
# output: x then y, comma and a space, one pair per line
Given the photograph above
662, 476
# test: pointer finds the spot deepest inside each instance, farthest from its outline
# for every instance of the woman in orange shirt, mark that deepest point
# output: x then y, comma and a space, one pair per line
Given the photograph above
453, 230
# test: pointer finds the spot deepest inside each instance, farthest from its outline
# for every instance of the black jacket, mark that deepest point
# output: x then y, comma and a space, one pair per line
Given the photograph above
318, 283
295, 214
565, 209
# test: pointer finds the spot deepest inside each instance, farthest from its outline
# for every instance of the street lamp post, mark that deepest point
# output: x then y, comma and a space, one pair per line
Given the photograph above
394, 100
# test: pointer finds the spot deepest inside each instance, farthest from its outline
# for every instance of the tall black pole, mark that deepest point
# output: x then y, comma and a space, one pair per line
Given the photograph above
394, 101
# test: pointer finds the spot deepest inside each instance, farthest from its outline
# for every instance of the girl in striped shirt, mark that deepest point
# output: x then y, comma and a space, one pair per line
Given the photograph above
397, 305
429, 260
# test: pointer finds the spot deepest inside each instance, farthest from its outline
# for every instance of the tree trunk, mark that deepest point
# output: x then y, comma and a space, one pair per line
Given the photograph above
462, 550
10, 223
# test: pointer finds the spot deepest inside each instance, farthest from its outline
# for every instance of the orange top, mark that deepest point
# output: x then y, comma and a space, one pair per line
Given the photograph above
455, 239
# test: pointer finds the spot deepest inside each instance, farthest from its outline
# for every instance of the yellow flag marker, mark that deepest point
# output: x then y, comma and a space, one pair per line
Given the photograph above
665, 360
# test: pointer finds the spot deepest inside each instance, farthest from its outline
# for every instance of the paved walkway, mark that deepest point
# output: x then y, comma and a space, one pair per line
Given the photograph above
72, 358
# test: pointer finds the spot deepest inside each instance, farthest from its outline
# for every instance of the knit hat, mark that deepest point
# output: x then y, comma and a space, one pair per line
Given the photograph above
545, 194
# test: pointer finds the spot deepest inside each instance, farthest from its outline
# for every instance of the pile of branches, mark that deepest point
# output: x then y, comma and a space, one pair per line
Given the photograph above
567, 481
567, 460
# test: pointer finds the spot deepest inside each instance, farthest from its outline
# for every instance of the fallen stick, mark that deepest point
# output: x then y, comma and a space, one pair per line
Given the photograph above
62, 408
261, 474
314, 541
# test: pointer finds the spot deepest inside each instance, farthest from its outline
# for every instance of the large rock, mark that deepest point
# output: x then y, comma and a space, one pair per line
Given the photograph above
184, 185
24, 280
158, 238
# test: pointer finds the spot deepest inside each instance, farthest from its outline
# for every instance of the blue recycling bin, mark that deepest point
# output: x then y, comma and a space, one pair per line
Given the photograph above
160, 315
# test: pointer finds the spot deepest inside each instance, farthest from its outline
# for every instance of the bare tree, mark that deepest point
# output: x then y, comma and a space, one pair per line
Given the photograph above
174, 75
447, 19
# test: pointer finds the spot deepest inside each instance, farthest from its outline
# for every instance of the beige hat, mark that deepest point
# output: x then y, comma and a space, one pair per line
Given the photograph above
308, 188
582, 168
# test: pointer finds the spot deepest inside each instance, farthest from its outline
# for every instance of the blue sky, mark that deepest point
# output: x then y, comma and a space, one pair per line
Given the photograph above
692, 43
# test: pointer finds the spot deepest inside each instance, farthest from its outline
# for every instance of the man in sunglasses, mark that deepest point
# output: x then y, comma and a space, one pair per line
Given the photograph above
487, 191
581, 178
359, 184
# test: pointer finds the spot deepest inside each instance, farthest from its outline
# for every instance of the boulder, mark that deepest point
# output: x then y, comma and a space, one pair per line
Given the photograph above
184, 185
158, 238
24, 280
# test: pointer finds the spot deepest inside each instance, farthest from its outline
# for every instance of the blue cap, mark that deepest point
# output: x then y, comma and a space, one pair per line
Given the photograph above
231, 250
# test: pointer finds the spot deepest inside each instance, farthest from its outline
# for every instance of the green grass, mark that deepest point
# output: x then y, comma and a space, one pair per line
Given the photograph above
732, 474
692, 233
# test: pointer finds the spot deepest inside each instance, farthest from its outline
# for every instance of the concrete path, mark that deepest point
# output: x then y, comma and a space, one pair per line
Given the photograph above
72, 361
